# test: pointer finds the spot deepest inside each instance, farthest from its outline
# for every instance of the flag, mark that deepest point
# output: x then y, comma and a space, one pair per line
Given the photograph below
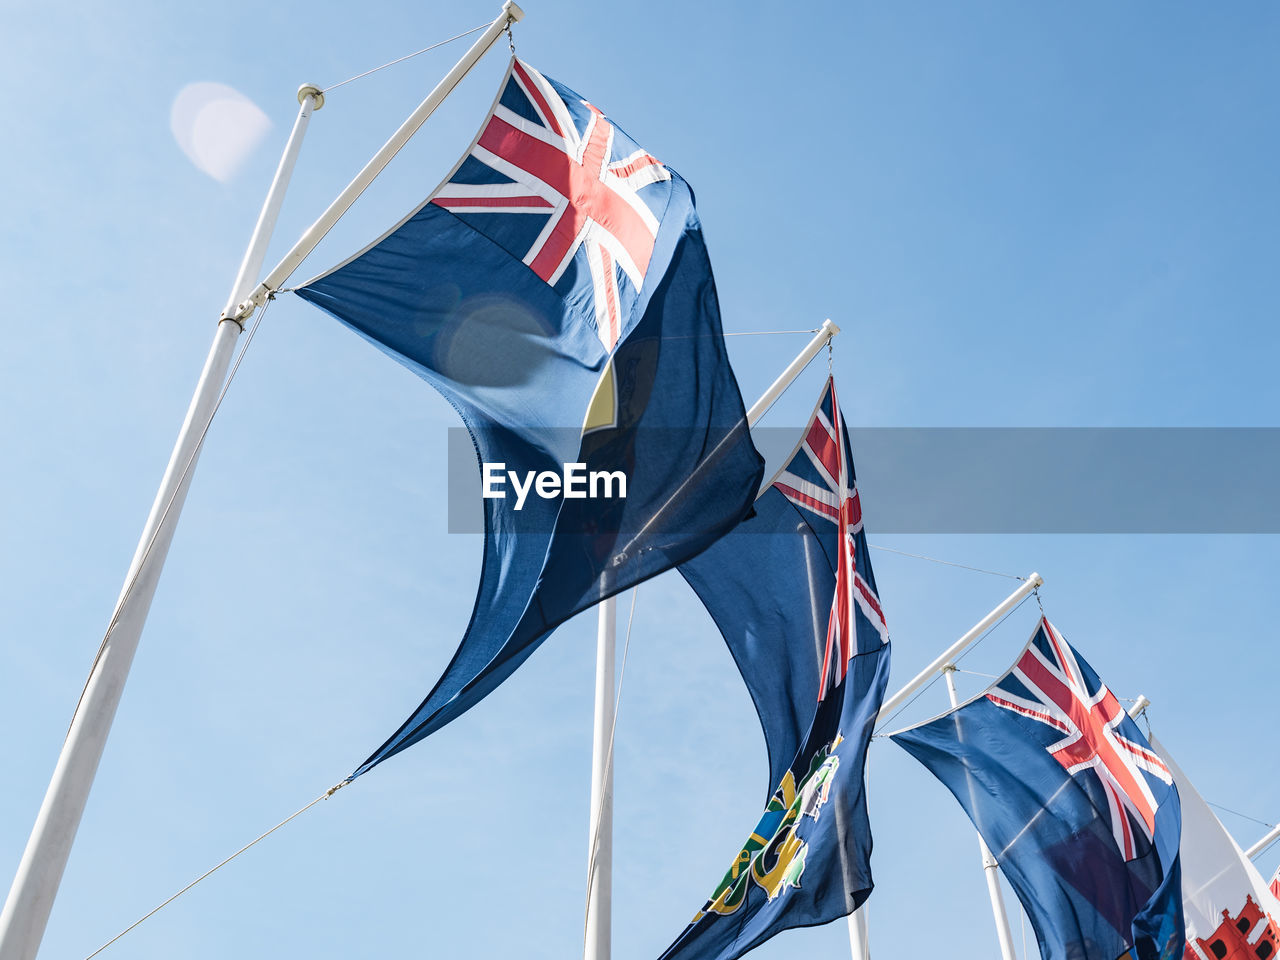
1229, 912
556, 290
1079, 812
1274, 886
793, 593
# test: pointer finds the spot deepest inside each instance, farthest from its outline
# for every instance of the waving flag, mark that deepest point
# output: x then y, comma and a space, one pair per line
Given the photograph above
1229, 912
556, 290
567, 181
792, 591
1078, 810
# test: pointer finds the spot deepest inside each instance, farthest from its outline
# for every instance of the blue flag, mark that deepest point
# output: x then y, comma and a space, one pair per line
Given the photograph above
1080, 813
792, 591
556, 290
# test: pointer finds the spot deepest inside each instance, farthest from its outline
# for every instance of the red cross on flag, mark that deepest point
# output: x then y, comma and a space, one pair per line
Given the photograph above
541, 157
1060, 697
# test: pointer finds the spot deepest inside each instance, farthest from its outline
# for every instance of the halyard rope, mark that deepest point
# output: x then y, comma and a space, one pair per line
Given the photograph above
324, 796
949, 563
1239, 814
410, 56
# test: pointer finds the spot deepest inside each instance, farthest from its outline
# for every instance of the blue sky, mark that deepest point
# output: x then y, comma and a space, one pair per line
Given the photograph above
1020, 215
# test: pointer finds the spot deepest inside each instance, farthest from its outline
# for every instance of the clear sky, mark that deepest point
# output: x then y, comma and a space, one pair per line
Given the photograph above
1021, 215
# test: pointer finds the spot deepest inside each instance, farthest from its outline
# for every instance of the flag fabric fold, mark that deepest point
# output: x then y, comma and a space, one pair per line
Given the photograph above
556, 290
792, 591
1079, 812
1229, 912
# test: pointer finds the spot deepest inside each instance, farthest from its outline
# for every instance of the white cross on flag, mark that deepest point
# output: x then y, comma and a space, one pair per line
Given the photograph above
1050, 687
819, 479
564, 169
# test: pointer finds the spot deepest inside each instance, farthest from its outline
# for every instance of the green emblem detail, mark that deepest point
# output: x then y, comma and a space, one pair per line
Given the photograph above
773, 857
791, 875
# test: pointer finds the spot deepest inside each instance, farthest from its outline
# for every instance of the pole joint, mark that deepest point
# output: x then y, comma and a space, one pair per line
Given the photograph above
245, 310
312, 91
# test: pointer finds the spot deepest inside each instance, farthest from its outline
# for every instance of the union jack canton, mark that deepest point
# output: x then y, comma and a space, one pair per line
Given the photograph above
819, 479
553, 182
1051, 684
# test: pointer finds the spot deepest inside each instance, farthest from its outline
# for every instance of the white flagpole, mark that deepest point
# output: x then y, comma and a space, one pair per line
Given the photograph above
858, 932
597, 943
26, 912
600, 850
859, 924
788, 376
947, 656
1271, 837
989, 865
511, 13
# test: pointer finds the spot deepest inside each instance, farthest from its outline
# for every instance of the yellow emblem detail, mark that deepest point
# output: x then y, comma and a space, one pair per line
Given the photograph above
781, 872
773, 858
602, 411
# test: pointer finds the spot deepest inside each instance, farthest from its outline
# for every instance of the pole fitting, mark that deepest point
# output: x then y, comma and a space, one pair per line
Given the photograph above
316, 94
245, 309
1139, 706
253, 302
513, 12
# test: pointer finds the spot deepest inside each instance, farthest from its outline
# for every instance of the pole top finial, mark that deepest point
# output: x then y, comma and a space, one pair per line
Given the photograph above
513, 11
310, 89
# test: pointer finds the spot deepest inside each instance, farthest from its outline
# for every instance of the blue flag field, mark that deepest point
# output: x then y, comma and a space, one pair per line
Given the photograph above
794, 596
556, 290
1078, 810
